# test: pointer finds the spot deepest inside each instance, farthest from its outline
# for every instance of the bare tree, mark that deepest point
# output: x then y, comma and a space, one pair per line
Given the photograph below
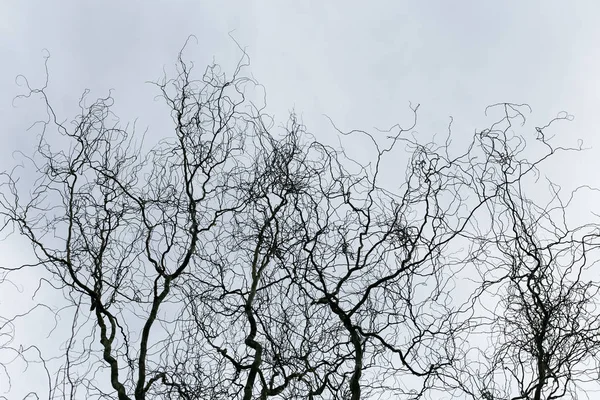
538, 311
545, 336
231, 262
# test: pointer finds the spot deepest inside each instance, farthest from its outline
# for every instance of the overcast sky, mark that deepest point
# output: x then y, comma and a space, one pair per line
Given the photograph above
360, 63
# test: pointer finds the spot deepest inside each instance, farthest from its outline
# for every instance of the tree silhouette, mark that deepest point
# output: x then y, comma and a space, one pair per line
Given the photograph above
237, 260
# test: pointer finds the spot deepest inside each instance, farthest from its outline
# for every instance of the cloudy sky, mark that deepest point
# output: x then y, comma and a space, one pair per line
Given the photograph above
360, 63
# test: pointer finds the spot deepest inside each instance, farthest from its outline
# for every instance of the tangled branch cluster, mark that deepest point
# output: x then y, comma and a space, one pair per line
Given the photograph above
230, 262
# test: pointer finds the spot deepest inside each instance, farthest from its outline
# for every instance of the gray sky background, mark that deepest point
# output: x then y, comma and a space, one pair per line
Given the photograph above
358, 63
361, 63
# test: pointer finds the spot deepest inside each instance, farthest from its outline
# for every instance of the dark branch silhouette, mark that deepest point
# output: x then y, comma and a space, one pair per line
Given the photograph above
237, 260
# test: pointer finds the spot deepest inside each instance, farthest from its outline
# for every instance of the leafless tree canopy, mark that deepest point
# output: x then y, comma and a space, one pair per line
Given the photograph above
237, 259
